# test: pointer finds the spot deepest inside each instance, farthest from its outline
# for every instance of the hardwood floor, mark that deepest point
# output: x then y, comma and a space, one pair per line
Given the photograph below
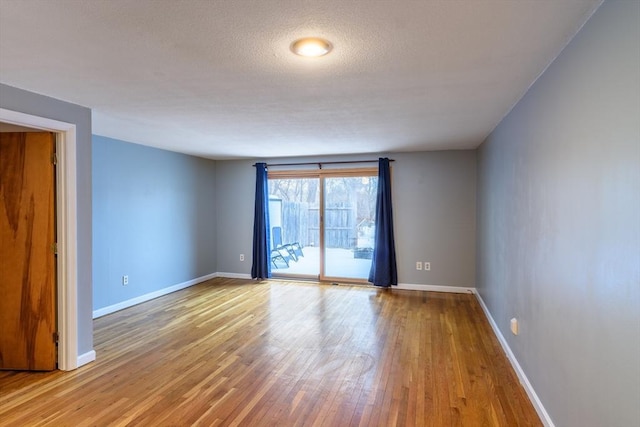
240, 353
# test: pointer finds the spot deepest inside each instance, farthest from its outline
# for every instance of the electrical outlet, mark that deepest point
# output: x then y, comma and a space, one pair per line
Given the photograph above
427, 266
418, 265
241, 257
515, 329
125, 280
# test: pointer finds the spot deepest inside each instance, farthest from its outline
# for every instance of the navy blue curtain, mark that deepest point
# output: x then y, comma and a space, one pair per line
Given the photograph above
383, 265
261, 267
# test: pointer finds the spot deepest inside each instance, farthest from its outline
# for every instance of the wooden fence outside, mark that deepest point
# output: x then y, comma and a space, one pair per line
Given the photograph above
301, 221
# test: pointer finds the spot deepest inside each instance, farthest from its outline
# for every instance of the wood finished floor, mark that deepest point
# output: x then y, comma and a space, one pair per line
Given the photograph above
239, 353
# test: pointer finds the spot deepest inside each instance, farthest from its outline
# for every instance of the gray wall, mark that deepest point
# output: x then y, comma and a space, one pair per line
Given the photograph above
154, 219
559, 225
30, 103
235, 191
434, 214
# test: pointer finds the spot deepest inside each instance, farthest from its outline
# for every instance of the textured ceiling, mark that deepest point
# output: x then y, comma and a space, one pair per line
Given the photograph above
217, 79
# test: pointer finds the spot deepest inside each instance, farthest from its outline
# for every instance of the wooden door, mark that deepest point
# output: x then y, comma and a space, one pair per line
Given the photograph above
27, 258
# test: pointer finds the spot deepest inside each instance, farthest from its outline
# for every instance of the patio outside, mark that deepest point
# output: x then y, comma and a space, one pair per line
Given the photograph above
341, 261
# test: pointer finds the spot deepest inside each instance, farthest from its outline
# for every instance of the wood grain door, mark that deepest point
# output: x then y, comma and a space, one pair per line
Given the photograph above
27, 254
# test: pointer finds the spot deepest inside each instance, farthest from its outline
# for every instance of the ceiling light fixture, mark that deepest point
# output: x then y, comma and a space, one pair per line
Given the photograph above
311, 47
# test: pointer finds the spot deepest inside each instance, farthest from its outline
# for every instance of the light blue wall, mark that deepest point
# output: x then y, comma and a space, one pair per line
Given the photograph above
154, 219
434, 214
559, 225
37, 105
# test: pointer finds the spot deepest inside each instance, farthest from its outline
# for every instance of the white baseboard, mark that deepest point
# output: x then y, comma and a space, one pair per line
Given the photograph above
152, 295
87, 357
403, 286
234, 275
533, 396
435, 288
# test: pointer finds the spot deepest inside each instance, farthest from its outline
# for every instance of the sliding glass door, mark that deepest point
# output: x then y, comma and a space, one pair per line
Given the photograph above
294, 203
322, 223
349, 225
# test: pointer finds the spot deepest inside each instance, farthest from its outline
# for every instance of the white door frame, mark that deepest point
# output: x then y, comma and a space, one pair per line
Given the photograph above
67, 227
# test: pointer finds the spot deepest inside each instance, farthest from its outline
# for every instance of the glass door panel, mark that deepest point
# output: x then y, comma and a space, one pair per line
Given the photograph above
295, 226
349, 226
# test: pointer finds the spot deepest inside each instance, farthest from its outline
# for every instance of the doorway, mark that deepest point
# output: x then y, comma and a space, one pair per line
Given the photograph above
67, 229
322, 223
27, 251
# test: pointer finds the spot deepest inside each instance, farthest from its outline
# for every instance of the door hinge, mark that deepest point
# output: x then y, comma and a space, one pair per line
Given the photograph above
54, 248
54, 158
56, 337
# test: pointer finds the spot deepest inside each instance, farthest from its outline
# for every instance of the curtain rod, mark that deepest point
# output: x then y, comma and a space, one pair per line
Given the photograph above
322, 163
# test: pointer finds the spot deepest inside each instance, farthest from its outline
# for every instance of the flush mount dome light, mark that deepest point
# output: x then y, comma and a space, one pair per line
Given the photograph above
311, 47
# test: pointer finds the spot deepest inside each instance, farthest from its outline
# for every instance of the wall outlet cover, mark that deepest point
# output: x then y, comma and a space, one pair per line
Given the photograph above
514, 326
